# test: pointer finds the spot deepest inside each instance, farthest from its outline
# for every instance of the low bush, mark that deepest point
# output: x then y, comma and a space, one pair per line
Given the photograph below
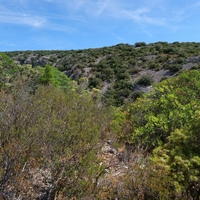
145, 80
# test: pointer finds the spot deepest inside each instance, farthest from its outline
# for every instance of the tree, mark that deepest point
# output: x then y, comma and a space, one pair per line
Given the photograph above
48, 76
53, 76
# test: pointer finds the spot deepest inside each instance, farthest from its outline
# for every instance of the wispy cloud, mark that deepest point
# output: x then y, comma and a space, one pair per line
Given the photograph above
142, 15
15, 13
88, 7
23, 19
115, 9
46, 20
86, 11
117, 37
177, 17
102, 6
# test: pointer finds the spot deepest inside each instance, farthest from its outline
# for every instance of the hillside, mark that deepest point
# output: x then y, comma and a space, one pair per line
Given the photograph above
108, 123
122, 72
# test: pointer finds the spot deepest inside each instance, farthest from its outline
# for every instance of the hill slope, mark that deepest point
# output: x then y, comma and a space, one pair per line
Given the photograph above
121, 72
59, 141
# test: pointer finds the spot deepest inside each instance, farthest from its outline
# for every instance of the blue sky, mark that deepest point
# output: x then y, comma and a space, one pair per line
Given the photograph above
81, 24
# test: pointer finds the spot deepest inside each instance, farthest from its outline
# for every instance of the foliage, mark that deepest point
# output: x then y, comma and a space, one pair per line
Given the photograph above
10, 72
6, 60
136, 95
145, 80
141, 182
140, 44
173, 67
180, 156
171, 105
166, 121
54, 130
95, 82
120, 91
105, 66
51, 75
49, 123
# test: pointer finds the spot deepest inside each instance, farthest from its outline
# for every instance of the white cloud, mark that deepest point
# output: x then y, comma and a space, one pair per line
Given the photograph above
114, 9
110, 9
117, 37
102, 6
142, 13
15, 12
23, 19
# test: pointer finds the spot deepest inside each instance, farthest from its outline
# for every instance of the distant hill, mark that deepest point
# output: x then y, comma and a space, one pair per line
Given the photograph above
122, 72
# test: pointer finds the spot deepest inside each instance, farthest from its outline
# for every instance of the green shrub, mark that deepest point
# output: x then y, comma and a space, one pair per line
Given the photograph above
136, 94
54, 131
51, 75
145, 80
94, 82
155, 66
163, 78
173, 67
134, 70
140, 44
180, 60
123, 76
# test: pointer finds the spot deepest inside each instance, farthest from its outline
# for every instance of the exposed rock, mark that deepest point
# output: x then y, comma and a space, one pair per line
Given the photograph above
193, 59
43, 184
113, 159
34, 184
188, 66
36, 62
107, 148
142, 88
40, 62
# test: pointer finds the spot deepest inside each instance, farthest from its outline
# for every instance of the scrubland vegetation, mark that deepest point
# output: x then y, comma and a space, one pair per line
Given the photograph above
53, 126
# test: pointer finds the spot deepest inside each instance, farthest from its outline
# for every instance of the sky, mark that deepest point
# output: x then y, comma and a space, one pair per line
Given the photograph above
83, 24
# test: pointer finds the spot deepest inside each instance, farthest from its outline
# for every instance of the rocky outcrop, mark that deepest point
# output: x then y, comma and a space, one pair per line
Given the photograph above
113, 159
193, 59
34, 184
36, 62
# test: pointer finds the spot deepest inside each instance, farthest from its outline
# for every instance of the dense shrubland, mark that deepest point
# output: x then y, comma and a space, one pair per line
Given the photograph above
52, 128
106, 67
165, 124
